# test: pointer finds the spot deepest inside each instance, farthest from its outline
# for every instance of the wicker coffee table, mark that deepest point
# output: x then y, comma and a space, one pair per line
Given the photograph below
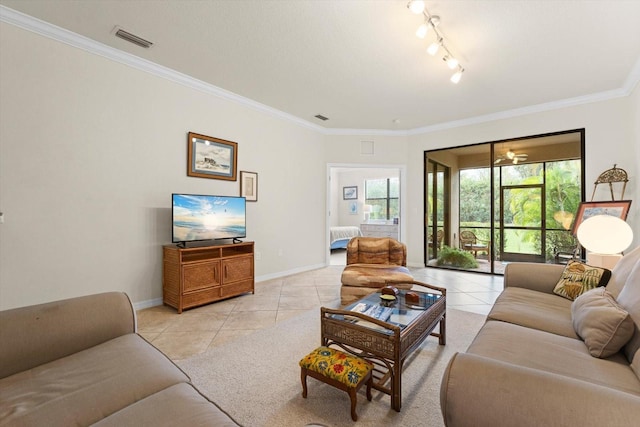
389, 341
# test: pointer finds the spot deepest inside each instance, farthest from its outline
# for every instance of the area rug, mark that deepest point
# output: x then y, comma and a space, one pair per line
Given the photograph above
256, 378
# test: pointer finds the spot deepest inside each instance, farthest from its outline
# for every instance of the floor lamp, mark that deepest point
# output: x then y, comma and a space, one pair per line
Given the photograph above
604, 237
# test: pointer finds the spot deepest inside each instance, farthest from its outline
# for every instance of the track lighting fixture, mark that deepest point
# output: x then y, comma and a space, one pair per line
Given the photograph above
431, 23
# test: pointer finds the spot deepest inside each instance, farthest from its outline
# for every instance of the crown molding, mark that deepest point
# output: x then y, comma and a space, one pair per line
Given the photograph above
70, 38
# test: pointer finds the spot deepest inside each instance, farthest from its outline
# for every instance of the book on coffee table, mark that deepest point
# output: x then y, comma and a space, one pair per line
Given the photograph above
373, 310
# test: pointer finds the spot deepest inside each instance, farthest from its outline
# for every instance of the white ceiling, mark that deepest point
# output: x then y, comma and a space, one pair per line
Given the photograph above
359, 62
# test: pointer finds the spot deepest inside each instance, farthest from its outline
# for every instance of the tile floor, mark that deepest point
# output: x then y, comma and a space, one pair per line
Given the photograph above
194, 331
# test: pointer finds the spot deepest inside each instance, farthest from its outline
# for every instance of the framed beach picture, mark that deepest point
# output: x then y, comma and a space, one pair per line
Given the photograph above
349, 193
618, 208
249, 186
209, 157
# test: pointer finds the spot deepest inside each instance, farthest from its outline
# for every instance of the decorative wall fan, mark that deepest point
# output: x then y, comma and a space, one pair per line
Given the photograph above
515, 158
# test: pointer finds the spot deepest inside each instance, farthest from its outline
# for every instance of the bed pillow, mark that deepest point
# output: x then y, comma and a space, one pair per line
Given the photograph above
577, 278
601, 322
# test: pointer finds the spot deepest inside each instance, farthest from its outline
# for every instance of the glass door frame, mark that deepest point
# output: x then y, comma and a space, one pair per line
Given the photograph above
432, 167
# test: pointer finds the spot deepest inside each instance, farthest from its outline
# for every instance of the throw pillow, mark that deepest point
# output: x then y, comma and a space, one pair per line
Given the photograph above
577, 278
601, 322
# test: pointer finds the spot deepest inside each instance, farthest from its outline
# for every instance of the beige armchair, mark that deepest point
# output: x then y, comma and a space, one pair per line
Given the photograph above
371, 262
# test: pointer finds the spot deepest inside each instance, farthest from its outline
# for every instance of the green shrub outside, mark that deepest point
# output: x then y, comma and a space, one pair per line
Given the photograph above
454, 257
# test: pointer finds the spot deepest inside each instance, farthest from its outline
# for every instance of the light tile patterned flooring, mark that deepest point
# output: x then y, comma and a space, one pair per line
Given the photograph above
196, 330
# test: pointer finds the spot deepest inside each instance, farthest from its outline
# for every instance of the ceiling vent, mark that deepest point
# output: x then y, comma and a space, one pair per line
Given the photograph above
321, 117
132, 38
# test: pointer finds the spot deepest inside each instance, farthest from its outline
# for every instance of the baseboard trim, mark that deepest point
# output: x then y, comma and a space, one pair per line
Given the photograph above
280, 274
147, 304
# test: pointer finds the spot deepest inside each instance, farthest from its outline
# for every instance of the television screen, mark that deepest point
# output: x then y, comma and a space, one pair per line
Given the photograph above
200, 217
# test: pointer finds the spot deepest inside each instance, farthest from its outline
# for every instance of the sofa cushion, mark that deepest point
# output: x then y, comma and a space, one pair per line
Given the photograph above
533, 309
178, 405
622, 270
87, 386
629, 299
552, 353
577, 278
599, 320
375, 275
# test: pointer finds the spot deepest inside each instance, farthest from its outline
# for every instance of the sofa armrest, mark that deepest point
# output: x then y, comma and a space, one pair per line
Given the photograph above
478, 391
534, 276
38, 334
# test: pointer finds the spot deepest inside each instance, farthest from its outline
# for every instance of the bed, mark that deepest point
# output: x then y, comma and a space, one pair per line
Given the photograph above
340, 236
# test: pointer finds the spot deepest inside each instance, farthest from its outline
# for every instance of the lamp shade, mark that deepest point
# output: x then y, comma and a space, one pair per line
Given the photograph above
605, 234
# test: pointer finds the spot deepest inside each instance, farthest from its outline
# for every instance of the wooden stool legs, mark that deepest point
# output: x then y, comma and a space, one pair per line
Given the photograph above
352, 391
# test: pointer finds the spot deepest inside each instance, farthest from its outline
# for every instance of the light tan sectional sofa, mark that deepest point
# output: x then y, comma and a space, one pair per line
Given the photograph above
529, 367
80, 362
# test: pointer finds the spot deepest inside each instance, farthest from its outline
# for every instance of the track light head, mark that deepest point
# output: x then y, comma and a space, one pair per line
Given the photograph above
452, 62
455, 78
416, 6
434, 47
422, 30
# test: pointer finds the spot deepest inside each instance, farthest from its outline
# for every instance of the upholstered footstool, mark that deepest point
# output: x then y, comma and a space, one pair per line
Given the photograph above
338, 369
360, 280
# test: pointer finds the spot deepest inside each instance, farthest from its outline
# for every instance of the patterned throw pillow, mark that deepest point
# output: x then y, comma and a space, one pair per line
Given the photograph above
577, 278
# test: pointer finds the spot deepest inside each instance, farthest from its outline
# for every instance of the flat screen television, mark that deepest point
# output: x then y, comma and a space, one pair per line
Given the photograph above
200, 217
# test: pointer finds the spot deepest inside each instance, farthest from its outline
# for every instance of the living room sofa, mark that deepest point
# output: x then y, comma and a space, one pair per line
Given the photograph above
531, 364
80, 362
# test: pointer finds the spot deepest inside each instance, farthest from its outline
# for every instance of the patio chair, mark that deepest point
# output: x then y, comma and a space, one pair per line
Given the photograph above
469, 242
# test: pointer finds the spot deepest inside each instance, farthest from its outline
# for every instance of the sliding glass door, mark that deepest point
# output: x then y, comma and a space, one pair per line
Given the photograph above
512, 200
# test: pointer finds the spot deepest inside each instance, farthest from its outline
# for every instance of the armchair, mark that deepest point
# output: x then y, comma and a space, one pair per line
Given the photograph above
469, 242
371, 262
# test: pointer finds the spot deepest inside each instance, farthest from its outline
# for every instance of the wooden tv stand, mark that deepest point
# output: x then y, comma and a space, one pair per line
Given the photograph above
194, 276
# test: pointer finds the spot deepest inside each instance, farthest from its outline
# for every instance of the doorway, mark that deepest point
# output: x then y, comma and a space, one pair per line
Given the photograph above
364, 204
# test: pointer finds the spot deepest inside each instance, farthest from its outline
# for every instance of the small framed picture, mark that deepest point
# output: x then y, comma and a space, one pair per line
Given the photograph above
213, 158
619, 208
249, 186
349, 193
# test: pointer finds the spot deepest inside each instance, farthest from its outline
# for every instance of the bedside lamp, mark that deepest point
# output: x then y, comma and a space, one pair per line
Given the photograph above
367, 212
604, 236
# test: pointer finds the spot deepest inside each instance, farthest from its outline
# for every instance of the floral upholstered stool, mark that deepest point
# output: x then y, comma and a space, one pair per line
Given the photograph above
336, 368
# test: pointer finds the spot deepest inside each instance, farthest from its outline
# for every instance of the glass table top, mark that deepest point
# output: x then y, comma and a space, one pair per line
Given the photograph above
396, 312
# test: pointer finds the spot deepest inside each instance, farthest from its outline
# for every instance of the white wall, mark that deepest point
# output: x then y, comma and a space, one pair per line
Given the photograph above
90, 152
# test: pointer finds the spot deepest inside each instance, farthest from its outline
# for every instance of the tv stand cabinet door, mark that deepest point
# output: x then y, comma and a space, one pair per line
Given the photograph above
200, 276
237, 276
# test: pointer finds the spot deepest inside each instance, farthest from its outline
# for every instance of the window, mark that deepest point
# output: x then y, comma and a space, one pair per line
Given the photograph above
383, 195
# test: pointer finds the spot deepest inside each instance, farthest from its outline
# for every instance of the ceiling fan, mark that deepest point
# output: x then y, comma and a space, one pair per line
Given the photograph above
515, 158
